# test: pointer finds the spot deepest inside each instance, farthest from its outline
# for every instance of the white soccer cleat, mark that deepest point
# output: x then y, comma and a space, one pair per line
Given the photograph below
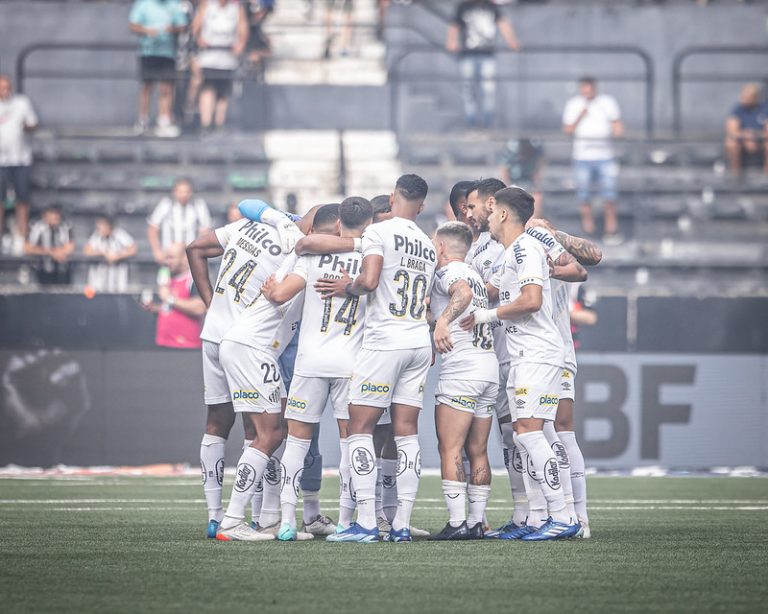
384, 526
419, 532
322, 525
242, 532
585, 532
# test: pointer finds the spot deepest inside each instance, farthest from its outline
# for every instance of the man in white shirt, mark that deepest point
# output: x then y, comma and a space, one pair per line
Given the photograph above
178, 219
391, 370
16, 118
594, 119
536, 349
110, 247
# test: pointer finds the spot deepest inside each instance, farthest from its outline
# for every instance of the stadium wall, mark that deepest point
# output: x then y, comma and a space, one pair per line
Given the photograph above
662, 31
106, 396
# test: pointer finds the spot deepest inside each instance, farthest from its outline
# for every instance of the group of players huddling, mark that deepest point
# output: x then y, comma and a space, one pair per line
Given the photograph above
373, 299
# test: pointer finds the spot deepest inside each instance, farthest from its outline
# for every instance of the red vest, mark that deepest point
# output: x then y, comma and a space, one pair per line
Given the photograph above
175, 329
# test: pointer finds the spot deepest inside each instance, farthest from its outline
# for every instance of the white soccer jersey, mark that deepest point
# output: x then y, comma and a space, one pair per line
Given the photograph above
396, 318
332, 328
266, 326
560, 295
486, 257
472, 357
252, 253
534, 338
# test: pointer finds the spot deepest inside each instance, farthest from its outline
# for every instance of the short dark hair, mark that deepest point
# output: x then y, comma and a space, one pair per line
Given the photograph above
412, 188
588, 80
326, 214
517, 200
109, 219
179, 180
355, 212
380, 204
487, 187
457, 231
459, 191
53, 209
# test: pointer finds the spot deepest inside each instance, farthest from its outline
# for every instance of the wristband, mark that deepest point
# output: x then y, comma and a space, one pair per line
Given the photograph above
252, 209
483, 316
358, 245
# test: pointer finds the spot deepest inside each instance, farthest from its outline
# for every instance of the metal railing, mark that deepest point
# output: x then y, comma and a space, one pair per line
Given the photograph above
678, 78
398, 77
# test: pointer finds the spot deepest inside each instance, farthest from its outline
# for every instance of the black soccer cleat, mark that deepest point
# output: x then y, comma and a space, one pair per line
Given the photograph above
450, 533
476, 532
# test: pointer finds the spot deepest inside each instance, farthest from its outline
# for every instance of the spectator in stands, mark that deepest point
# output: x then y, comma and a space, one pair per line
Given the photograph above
178, 219
472, 35
259, 46
594, 119
181, 310
51, 238
521, 163
189, 74
221, 31
746, 130
16, 117
331, 7
110, 247
157, 22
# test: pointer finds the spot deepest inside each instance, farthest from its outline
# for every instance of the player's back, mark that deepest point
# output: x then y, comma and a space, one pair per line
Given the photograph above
252, 253
396, 309
332, 328
534, 337
472, 356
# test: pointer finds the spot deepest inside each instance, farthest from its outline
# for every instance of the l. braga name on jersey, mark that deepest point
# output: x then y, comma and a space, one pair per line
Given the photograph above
417, 253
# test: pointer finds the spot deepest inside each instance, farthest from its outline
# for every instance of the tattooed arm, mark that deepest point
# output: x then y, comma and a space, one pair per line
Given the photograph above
584, 250
567, 268
461, 297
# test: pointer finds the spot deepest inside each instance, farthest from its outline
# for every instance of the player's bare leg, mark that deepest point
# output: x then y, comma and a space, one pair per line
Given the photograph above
452, 428
479, 486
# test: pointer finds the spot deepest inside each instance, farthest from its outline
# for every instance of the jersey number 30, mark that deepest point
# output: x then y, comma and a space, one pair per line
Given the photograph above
412, 294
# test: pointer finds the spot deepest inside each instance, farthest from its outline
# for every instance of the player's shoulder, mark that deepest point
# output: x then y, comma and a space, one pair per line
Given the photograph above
542, 235
523, 247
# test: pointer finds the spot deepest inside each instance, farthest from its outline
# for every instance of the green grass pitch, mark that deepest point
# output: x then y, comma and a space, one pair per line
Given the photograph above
122, 544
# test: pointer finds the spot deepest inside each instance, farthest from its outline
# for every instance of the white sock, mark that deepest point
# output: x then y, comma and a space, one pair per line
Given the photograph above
212, 466
537, 504
311, 505
362, 459
270, 506
547, 473
455, 494
250, 468
379, 490
389, 487
293, 467
477, 496
515, 470
258, 496
561, 454
578, 478
346, 498
409, 453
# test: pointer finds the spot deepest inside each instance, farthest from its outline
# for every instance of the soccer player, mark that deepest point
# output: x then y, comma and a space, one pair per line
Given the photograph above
249, 353
536, 348
251, 251
391, 369
330, 339
468, 385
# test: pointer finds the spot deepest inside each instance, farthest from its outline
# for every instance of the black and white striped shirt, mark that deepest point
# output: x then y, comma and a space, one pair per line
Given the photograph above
180, 223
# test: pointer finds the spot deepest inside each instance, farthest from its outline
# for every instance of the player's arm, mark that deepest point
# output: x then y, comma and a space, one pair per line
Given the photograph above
326, 244
493, 291
280, 292
529, 301
198, 253
585, 251
567, 268
460, 297
192, 306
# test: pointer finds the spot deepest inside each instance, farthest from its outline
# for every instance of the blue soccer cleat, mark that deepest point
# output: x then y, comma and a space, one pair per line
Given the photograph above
505, 528
551, 530
287, 533
213, 528
517, 532
355, 533
400, 537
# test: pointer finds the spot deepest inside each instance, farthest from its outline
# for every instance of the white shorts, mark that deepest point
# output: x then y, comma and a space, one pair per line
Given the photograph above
502, 400
308, 396
534, 390
383, 377
567, 384
215, 387
476, 398
254, 378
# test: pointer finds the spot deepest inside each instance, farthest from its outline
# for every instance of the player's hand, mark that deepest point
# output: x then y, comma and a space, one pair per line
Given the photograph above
551, 266
442, 337
330, 286
289, 235
540, 222
468, 322
268, 287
